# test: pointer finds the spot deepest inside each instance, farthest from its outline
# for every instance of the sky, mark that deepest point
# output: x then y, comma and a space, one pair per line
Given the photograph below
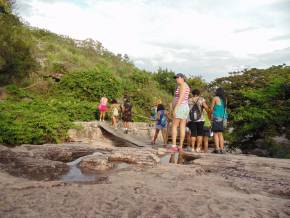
207, 38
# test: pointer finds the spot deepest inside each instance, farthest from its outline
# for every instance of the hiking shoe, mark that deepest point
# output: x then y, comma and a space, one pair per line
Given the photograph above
222, 151
173, 149
215, 151
189, 149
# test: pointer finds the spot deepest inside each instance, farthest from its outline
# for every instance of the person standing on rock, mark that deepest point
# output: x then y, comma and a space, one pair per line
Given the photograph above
196, 117
161, 124
103, 108
180, 111
219, 115
115, 113
126, 113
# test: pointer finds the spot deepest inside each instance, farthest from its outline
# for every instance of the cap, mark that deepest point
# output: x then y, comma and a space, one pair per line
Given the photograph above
179, 75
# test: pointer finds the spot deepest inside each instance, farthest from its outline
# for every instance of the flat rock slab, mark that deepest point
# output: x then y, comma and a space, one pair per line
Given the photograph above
128, 138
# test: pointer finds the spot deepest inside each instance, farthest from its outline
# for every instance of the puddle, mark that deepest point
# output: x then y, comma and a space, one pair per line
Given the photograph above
76, 174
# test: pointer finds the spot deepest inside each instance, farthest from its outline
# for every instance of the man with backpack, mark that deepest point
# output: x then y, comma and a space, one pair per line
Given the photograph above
197, 119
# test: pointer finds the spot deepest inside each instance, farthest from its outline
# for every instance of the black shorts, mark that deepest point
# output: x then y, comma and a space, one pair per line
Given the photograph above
217, 125
196, 128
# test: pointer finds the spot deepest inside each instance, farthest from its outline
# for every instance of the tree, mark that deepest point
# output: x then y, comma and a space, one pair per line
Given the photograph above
259, 101
16, 59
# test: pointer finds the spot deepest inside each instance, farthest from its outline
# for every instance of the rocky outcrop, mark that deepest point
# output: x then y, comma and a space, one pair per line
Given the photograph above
60, 152
137, 156
105, 161
97, 162
22, 164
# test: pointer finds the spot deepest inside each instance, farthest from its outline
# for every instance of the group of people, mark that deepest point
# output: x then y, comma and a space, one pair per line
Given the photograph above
117, 111
200, 119
196, 120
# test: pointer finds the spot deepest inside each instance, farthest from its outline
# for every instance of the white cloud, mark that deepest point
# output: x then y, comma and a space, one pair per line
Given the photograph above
181, 35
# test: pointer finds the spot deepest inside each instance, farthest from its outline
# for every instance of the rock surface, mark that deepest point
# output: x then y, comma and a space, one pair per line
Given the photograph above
213, 186
209, 185
98, 162
23, 164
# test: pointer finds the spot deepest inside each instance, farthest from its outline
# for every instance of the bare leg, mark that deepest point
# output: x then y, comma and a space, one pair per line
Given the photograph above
193, 140
198, 143
205, 143
216, 140
164, 135
175, 124
155, 136
182, 132
221, 140
188, 139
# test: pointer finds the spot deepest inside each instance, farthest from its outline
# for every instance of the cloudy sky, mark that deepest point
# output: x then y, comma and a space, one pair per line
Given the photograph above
196, 37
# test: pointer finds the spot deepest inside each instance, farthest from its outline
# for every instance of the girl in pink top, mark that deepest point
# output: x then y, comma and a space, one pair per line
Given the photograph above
103, 108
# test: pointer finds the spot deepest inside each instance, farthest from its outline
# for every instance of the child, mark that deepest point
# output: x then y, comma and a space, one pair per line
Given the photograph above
103, 108
115, 112
126, 113
206, 130
161, 124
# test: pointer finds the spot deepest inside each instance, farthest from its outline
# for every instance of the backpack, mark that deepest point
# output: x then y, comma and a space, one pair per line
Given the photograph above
115, 112
195, 112
163, 120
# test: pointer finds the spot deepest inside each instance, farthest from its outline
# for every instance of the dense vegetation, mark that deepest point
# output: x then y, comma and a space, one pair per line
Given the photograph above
36, 107
259, 101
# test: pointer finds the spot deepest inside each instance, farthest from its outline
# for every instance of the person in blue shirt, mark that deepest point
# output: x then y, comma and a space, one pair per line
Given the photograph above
219, 115
161, 124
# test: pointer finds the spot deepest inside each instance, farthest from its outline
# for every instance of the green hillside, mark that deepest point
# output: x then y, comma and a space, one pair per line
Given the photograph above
48, 81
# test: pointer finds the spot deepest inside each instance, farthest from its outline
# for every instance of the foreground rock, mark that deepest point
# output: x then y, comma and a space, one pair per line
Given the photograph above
22, 164
105, 161
97, 162
213, 186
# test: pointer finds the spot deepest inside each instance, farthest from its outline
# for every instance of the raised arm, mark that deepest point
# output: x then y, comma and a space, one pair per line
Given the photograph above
214, 100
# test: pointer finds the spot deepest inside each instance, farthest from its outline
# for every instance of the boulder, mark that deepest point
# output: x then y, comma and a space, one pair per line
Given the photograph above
98, 162
138, 156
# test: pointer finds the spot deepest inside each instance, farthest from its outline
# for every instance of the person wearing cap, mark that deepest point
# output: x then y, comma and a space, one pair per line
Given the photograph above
180, 111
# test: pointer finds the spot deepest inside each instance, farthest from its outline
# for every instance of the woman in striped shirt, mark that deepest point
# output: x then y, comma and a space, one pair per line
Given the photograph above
180, 112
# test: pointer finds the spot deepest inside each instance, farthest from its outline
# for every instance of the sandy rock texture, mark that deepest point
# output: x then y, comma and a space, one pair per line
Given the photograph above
210, 186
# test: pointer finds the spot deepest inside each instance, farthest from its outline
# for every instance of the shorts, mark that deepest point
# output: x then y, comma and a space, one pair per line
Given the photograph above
206, 131
218, 125
182, 112
196, 128
160, 127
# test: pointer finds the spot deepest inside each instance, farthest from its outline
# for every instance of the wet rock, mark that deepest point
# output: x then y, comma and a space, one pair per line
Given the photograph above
98, 162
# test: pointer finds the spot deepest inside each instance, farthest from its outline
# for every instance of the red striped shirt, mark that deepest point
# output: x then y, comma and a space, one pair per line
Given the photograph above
186, 95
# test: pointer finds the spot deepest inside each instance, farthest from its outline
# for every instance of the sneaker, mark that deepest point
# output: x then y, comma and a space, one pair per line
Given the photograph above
222, 151
189, 149
173, 149
215, 151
